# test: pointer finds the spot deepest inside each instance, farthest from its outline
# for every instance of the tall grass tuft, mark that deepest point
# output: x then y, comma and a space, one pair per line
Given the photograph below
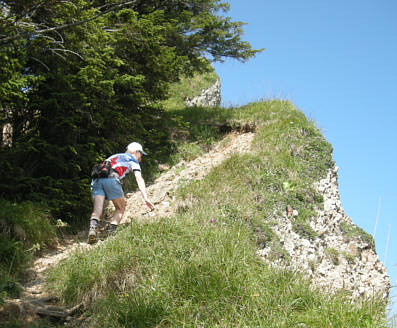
24, 229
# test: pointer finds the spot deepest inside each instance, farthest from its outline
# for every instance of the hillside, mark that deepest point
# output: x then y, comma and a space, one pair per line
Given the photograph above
248, 231
189, 89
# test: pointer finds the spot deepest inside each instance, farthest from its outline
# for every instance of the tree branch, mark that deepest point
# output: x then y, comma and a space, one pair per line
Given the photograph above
26, 34
38, 60
26, 13
54, 50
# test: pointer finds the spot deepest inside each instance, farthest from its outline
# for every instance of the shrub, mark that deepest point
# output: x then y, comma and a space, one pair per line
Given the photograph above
24, 229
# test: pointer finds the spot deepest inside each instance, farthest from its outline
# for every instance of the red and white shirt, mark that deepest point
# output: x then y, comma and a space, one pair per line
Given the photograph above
123, 164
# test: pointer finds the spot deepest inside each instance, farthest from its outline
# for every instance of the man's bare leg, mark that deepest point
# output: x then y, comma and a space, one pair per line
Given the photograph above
95, 216
98, 207
119, 205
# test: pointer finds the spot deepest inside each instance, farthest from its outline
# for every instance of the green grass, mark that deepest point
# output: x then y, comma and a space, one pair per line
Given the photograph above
199, 268
353, 232
25, 229
189, 87
333, 255
192, 272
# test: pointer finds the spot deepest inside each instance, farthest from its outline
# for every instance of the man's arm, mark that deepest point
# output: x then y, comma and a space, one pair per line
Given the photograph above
142, 188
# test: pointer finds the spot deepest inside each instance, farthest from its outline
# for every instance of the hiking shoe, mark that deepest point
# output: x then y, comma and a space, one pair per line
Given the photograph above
111, 230
92, 235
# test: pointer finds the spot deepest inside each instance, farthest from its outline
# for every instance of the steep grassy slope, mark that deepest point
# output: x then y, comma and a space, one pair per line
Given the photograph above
199, 268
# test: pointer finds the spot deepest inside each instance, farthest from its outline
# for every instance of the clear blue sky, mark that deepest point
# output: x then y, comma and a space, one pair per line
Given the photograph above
337, 62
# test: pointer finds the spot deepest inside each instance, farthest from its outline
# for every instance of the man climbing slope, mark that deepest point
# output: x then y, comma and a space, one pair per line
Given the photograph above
110, 188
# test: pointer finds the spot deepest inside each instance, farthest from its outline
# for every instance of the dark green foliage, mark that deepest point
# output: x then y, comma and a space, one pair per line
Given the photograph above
24, 229
9, 286
82, 79
26, 223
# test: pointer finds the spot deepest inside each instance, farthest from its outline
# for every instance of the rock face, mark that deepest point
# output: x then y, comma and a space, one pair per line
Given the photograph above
210, 97
340, 256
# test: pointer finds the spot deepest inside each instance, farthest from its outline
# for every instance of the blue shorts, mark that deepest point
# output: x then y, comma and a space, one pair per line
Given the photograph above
108, 187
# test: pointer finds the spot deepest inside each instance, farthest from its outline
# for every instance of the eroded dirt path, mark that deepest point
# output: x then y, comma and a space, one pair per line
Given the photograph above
162, 190
34, 299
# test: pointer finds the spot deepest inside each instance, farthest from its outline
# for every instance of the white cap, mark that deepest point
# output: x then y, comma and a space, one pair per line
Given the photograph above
134, 146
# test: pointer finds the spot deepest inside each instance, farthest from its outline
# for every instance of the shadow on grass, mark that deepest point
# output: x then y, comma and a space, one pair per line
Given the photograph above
135, 311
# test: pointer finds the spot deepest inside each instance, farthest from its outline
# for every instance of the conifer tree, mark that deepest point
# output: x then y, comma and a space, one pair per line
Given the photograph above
81, 79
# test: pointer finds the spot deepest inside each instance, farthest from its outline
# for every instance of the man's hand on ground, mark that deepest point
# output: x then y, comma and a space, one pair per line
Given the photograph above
149, 204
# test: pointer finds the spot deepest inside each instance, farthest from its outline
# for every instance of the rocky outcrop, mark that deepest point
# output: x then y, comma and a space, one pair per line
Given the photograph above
339, 256
210, 97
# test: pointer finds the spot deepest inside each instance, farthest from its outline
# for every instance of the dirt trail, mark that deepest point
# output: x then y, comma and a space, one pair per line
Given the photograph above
34, 299
162, 190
